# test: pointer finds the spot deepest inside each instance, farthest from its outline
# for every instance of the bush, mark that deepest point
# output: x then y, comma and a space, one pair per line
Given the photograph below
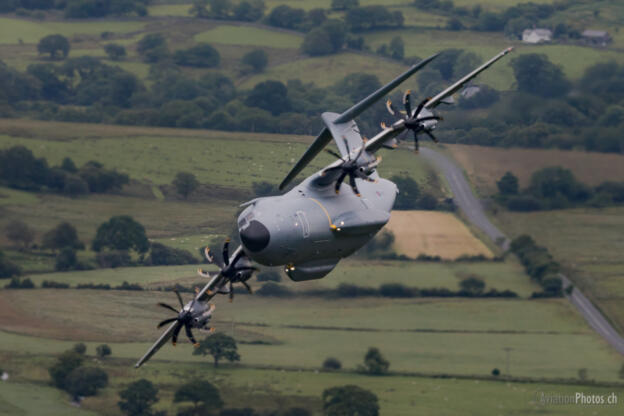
62, 236
99, 286
129, 286
64, 365
162, 255
66, 260
472, 285
49, 284
200, 56
113, 259
496, 372
332, 363
255, 60
523, 203
395, 290
346, 290
115, 52
375, 363
80, 348
7, 268
16, 283
103, 351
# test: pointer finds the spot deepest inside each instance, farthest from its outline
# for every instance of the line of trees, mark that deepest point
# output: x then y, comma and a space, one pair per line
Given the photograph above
540, 265
555, 187
80, 9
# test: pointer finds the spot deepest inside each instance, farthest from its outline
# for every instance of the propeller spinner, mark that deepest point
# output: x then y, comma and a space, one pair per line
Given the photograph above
412, 120
351, 168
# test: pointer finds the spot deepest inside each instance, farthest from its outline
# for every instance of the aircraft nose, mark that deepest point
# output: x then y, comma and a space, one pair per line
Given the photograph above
255, 237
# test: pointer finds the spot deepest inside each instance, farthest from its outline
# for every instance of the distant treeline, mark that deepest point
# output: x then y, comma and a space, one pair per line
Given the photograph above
79, 8
556, 188
20, 169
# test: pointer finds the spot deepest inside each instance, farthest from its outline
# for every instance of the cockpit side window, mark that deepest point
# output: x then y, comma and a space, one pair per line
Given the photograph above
305, 225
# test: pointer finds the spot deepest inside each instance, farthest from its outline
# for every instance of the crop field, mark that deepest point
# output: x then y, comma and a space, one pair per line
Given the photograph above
443, 336
588, 242
485, 165
435, 234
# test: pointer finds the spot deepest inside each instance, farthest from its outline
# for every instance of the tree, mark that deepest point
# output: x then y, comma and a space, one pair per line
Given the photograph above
219, 346
349, 400
356, 86
66, 260
80, 348
115, 52
286, 17
409, 192
20, 233
162, 255
397, 48
549, 182
200, 9
7, 268
271, 96
256, 60
203, 394
20, 169
220, 9
153, 48
535, 74
508, 184
454, 24
332, 363
185, 183
65, 364
68, 165
375, 363
137, 399
200, 56
496, 372
249, 10
103, 351
85, 381
62, 236
56, 45
121, 233
344, 4
472, 285
317, 43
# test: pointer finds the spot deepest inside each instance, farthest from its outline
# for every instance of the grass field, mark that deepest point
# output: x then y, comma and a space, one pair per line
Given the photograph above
550, 340
435, 234
12, 29
249, 35
21, 399
486, 165
328, 70
588, 243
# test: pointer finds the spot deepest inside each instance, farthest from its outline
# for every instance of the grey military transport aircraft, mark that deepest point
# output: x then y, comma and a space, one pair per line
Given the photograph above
322, 220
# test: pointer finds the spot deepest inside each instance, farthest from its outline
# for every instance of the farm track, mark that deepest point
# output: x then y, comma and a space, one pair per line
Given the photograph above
472, 208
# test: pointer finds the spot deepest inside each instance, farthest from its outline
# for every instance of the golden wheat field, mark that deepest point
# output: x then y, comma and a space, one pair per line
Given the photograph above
433, 233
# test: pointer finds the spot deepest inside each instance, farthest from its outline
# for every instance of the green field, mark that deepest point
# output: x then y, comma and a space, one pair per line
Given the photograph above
13, 30
434, 336
249, 35
326, 71
588, 243
30, 399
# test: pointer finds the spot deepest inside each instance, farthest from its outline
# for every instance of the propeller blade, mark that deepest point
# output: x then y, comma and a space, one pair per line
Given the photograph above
231, 291
407, 103
165, 322
176, 331
208, 255
359, 153
420, 106
390, 108
247, 287
415, 142
241, 269
428, 118
179, 298
339, 181
226, 252
346, 143
164, 305
189, 333
353, 185
363, 176
431, 136
331, 152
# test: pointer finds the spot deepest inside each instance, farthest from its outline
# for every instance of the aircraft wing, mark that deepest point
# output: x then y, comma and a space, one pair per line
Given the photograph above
435, 101
157, 345
325, 135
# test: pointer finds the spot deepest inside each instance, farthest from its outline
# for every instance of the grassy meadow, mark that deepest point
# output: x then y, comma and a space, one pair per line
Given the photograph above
588, 243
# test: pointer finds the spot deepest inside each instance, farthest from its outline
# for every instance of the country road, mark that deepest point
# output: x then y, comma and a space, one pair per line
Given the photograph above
472, 208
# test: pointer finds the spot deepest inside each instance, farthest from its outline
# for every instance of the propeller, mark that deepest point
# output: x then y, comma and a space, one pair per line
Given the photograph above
230, 270
184, 319
412, 120
350, 168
